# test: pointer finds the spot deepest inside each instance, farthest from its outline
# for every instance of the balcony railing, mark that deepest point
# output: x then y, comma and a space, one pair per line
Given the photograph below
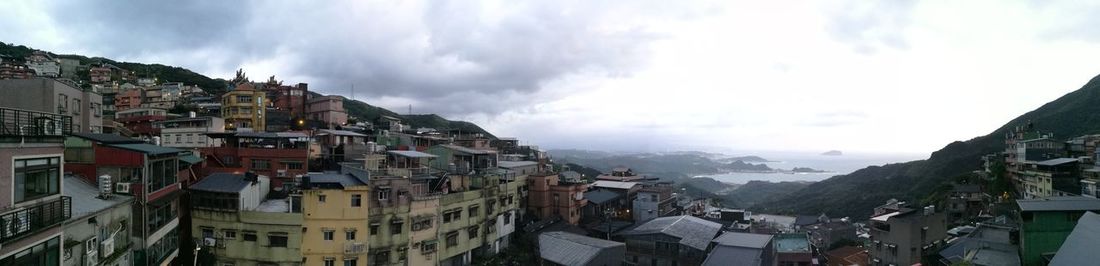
32, 219
23, 123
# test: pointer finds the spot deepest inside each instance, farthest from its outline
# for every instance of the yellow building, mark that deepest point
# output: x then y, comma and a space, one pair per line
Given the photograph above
235, 222
334, 227
244, 107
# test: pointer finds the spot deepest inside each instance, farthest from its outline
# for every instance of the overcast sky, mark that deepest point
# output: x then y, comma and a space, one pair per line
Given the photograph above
871, 76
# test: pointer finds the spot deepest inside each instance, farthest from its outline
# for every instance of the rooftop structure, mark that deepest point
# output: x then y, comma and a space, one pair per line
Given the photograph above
565, 248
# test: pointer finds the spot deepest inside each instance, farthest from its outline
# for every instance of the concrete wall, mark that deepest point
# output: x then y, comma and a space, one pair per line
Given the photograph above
335, 214
42, 95
247, 253
108, 224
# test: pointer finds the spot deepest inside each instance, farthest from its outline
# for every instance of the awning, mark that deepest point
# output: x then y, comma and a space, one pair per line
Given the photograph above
191, 159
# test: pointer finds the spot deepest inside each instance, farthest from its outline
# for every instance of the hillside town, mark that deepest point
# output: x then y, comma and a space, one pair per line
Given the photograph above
110, 167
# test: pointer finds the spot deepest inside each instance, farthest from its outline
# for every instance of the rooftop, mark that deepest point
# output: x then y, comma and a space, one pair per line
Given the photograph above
107, 138
1073, 203
340, 133
344, 180
692, 231
222, 182
1080, 246
514, 164
1059, 161
148, 148
412, 154
600, 196
614, 184
571, 249
274, 205
792, 243
745, 240
467, 150
723, 255
259, 135
850, 254
86, 199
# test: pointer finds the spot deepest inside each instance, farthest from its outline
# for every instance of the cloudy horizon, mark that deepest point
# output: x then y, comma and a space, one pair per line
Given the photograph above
873, 77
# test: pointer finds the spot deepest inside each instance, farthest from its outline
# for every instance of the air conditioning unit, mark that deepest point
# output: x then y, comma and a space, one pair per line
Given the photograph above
122, 187
280, 173
108, 247
355, 248
209, 242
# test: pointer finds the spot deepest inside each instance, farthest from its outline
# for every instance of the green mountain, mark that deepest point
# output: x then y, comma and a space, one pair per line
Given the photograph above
354, 108
162, 72
856, 194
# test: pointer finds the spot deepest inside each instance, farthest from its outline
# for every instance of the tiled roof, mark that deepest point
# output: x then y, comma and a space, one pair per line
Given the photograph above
692, 231
467, 150
1058, 161
514, 164
572, 249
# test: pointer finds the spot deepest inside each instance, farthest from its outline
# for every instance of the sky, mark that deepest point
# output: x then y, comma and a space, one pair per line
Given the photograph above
735, 76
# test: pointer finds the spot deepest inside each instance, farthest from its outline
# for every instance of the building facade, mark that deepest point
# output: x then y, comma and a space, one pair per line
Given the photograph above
901, 236
329, 110
237, 220
98, 226
52, 96
190, 132
243, 108
335, 219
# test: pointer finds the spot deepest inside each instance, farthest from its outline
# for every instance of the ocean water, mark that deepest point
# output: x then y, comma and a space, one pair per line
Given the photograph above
834, 165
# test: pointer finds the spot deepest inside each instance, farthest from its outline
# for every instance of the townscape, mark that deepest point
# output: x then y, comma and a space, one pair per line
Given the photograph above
111, 166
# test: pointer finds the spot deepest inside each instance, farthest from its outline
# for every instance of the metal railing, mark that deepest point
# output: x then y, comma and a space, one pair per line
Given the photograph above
32, 219
23, 123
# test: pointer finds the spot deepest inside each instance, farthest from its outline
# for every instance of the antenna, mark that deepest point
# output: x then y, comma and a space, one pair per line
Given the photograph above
353, 91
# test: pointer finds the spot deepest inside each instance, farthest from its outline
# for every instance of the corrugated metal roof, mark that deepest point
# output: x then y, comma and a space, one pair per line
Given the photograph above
413, 154
692, 231
1058, 161
147, 148
221, 182
270, 135
745, 240
600, 196
1059, 204
85, 198
467, 150
106, 138
1080, 247
725, 255
342, 133
572, 249
614, 184
344, 180
191, 159
514, 164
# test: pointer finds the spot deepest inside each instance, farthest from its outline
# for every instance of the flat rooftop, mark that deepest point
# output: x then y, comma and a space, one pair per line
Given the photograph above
792, 243
274, 205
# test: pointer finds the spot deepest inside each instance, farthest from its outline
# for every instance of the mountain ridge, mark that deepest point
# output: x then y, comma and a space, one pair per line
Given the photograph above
857, 193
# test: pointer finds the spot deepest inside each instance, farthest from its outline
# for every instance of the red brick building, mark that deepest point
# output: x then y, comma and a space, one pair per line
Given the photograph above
283, 156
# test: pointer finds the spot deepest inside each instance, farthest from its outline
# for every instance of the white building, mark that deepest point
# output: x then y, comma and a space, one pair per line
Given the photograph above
190, 132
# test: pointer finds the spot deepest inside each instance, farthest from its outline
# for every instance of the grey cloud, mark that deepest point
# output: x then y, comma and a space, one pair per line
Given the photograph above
836, 118
449, 56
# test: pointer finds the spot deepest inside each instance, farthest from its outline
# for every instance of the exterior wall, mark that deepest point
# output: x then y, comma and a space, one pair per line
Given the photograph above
128, 99
109, 223
329, 109
645, 208
236, 250
277, 159
1044, 232
335, 214
425, 207
46, 95
906, 233
8, 153
642, 250
234, 112
193, 137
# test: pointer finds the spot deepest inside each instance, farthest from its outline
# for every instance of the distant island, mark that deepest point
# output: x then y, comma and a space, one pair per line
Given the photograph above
739, 166
833, 153
749, 159
806, 170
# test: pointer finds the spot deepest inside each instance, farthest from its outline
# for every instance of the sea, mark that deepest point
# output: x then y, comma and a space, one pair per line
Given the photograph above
832, 165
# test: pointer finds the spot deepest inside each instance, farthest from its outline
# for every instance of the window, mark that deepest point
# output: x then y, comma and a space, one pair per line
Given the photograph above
472, 232
395, 227
62, 104
452, 239
276, 240
383, 194
473, 211
162, 174
507, 218
261, 164
36, 178
76, 106
421, 223
330, 262
428, 246
321, 198
45, 253
293, 165
356, 200
327, 234
349, 235
207, 232
161, 215
188, 139
382, 258
249, 236
178, 137
351, 262
374, 229
97, 110
229, 234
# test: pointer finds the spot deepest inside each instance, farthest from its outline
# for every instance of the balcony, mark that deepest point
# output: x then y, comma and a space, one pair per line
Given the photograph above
354, 248
32, 219
23, 123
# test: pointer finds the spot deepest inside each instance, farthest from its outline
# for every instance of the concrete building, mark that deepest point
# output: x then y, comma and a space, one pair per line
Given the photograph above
190, 132
139, 121
243, 108
989, 244
335, 220
281, 156
794, 250
237, 220
676, 240
98, 227
127, 99
1045, 224
152, 174
1080, 246
52, 96
562, 248
1053, 177
654, 201
31, 151
901, 236
549, 197
328, 109
742, 248
43, 65
289, 98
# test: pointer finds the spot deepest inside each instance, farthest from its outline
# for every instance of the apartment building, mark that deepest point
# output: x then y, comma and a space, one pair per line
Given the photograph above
652, 201
334, 222
243, 108
97, 231
282, 156
32, 206
55, 97
190, 132
675, 240
139, 121
236, 219
1046, 223
901, 235
327, 109
550, 197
